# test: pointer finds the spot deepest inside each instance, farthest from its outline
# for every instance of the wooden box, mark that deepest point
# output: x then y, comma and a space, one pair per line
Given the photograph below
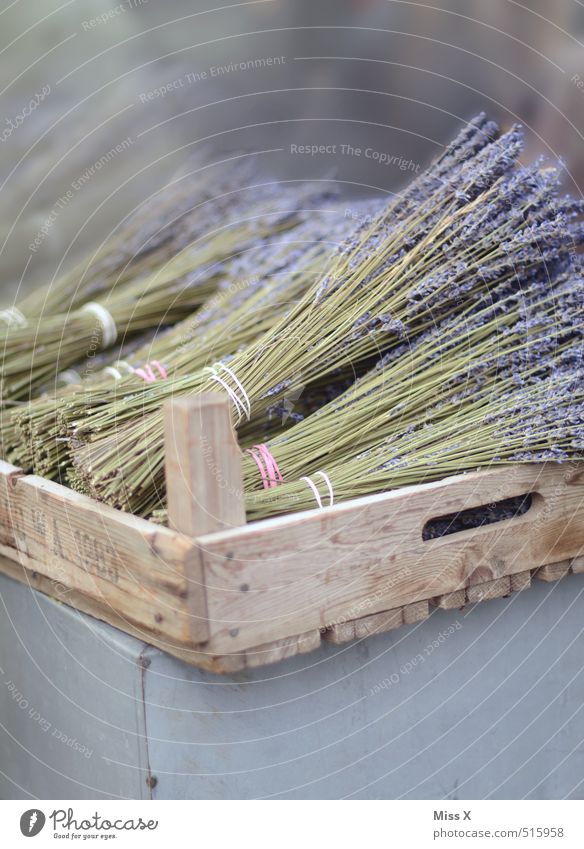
225, 595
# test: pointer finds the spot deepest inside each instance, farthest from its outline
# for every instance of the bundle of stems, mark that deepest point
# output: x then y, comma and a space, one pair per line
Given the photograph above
256, 287
539, 421
473, 359
484, 220
467, 143
160, 227
475, 352
37, 352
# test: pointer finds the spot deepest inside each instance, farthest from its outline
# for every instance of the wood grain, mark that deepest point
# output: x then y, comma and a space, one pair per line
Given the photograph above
553, 571
499, 588
140, 570
307, 570
78, 601
203, 466
521, 581
450, 601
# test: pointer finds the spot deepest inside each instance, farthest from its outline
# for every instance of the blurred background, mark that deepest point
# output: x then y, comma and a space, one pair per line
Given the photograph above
104, 101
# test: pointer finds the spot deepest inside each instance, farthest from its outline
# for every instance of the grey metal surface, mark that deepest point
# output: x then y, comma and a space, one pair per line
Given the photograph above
71, 704
488, 701
497, 707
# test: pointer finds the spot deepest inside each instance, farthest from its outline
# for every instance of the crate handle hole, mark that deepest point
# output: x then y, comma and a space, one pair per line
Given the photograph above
478, 517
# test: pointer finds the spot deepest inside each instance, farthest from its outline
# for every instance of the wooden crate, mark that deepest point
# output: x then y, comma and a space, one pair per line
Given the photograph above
224, 595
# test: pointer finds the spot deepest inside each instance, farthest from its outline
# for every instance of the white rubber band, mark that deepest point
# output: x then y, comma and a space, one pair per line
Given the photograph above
105, 318
243, 407
13, 317
237, 402
113, 372
122, 365
326, 479
69, 376
242, 390
315, 491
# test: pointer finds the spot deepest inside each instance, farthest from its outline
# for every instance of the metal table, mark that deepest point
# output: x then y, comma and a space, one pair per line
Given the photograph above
486, 701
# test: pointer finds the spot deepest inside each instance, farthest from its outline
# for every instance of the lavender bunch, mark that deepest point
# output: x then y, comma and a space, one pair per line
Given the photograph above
513, 394
255, 285
400, 276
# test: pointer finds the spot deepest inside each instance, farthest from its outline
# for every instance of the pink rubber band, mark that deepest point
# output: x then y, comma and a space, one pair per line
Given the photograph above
260, 466
266, 463
160, 368
274, 473
147, 373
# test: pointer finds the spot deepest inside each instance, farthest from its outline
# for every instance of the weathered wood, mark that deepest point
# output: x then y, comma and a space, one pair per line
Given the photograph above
203, 466
416, 612
378, 623
339, 633
498, 588
79, 601
273, 587
310, 569
282, 649
553, 571
520, 581
450, 601
366, 626
138, 569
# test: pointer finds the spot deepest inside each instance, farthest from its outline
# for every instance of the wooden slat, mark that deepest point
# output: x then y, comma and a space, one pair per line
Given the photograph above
306, 570
378, 623
339, 633
498, 588
282, 649
416, 612
520, 581
450, 601
140, 570
366, 626
203, 466
553, 571
577, 565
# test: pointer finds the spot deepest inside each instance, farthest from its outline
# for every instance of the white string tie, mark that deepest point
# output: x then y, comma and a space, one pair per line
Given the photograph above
13, 317
113, 372
122, 365
242, 405
105, 318
69, 376
315, 491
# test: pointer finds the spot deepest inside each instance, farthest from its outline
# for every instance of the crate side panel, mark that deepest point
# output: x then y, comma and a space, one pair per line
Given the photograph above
137, 568
284, 576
